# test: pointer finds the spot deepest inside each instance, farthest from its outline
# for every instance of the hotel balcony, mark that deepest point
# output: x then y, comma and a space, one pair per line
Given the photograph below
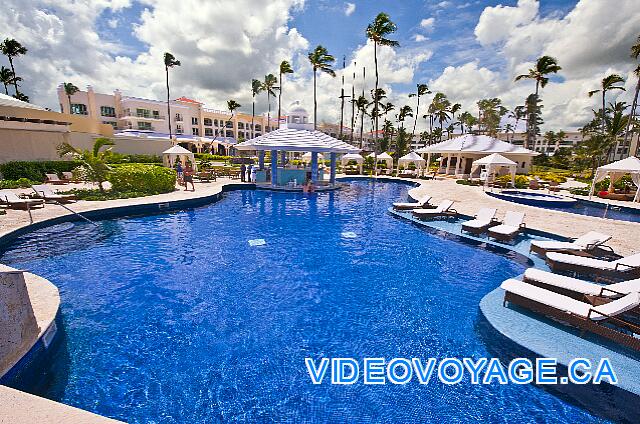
134, 115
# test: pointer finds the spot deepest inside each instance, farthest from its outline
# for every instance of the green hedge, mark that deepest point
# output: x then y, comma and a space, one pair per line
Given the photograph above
142, 179
20, 183
35, 171
122, 158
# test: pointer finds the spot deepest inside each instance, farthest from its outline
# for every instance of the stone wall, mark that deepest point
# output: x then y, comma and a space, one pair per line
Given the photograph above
18, 326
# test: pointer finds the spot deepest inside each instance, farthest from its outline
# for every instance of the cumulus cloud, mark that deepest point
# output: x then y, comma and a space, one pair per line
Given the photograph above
428, 23
419, 38
349, 8
589, 43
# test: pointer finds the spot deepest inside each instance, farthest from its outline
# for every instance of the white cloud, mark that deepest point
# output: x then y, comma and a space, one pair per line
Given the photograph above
589, 43
428, 23
113, 23
419, 38
349, 8
443, 4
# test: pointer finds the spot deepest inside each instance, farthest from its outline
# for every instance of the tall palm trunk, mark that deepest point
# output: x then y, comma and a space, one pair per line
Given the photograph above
68, 97
315, 103
268, 110
361, 130
6, 89
253, 115
15, 80
634, 105
375, 108
166, 69
415, 121
280, 101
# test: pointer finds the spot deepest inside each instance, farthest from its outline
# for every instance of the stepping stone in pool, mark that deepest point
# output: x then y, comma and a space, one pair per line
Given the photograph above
257, 242
349, 234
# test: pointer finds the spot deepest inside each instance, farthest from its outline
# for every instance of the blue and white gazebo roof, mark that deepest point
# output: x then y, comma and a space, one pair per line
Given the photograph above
297, 140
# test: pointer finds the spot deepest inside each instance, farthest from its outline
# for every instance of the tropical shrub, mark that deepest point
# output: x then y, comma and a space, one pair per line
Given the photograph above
115, 157
19, 183
142, 179
34, 170
94, 165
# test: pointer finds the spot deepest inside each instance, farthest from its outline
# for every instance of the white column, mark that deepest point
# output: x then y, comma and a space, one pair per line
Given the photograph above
428, 162
458, 163
446, 171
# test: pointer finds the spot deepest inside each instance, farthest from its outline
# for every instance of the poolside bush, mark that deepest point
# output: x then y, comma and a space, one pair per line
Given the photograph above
142, 178
209, 157
34, 170
19, 183
116, 158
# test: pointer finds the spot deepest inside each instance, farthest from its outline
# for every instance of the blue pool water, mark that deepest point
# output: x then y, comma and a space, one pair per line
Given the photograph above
175, 319
600, 210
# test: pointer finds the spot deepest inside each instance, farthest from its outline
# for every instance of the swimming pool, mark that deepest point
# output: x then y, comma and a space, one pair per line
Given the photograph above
566, 204
174, 318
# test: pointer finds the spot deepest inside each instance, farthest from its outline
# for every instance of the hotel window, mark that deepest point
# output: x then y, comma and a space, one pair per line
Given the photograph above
143, 113
258, 127
78, 109
145, 126
207, 122
108, 111
179, 129
229, 124
208, 132
112, 123
195, 131
156, 114
230, 134
178, 117
194, 121
240, 125
215, 122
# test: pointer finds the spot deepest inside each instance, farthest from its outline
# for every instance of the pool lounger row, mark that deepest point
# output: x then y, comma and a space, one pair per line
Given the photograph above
423, 202
620, 268
583, 244
606, 320
442, 210
485, 220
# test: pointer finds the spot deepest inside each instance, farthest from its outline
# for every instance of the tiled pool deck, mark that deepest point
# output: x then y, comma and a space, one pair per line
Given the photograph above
508, 322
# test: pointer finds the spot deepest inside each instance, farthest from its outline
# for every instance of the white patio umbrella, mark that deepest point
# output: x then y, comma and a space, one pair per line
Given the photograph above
412, 157
352, 157
175, 153
492, 163
617, 170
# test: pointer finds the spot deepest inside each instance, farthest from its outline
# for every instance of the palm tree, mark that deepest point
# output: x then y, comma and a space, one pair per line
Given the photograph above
544, 66
256, 88
321, 61
361, 104
70, 90
268, 85
403, 113
608, 83
8, 78
232, 105
378, 31
421, 90
285, 68
467, 120
94, 161
169, 62
12, 48
635, 53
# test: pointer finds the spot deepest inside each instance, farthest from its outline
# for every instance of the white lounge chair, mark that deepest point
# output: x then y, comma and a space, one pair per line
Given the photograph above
423, 202
13, 201
573, 287
584, 243
443, 209
54, 179
579, 314
44, 192
622, 267
483, 219
511, 225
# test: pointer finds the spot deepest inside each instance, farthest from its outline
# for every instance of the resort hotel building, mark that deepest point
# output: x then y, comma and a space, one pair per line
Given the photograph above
196, 127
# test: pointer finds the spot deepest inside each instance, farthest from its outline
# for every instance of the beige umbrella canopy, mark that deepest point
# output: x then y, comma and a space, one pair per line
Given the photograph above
617, 170
352, 157
493, 163
412, 157
177, 153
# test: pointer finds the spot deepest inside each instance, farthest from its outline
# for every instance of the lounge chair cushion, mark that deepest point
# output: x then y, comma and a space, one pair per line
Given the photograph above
623, 264
505, 230
442, 208
564, 282
420, 203
572, 306
581, 243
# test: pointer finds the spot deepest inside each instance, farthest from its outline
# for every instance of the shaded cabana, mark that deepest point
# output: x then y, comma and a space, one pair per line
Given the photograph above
286, 140
355, 157
493, 164
410, 158
459, 153
383, 157
617, 170
178, 153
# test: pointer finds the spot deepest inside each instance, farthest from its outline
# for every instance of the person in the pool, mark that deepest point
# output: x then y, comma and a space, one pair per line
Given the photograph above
188, 177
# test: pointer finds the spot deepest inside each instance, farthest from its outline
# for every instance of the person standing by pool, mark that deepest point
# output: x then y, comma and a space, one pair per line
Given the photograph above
243, 170
253, 173
249, 170
188, 177
179, 171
